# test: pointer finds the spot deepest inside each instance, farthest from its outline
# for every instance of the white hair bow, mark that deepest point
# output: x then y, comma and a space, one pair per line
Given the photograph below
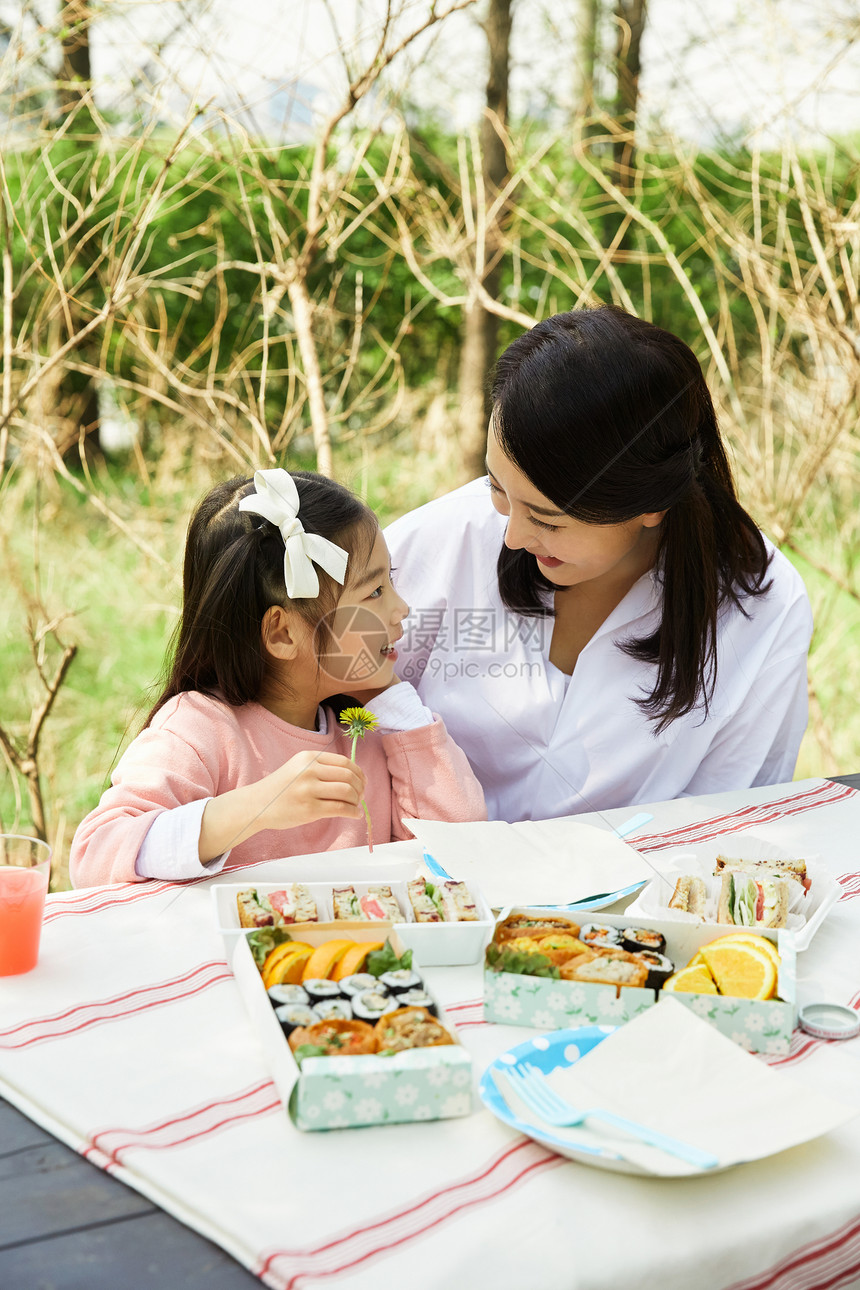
277, 500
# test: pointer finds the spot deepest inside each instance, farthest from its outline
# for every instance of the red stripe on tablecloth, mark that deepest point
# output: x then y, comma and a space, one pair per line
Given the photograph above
372, 1239
186, 1126
850, 884
470, 1013
824, 1264
94, 899
747, 817
115, 1007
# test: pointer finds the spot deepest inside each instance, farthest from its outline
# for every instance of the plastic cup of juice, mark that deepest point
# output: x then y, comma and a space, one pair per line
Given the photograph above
25, 868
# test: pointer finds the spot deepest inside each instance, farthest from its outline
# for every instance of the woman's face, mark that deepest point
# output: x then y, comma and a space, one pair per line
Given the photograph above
568, 551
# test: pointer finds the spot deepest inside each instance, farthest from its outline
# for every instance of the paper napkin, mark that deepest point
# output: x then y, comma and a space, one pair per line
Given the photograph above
671, 1070
537, 862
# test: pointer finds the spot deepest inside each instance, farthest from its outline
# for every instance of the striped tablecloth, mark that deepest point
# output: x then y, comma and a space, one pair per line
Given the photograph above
130, 1043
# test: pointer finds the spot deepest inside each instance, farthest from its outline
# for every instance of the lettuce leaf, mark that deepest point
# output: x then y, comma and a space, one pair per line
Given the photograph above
264, 939
385, 960
500, 958
308, 1050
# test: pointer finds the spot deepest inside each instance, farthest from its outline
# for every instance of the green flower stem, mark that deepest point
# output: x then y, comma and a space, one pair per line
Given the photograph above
363, 803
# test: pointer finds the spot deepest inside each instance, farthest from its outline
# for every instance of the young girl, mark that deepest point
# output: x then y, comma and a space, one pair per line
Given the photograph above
600, 622
288, 602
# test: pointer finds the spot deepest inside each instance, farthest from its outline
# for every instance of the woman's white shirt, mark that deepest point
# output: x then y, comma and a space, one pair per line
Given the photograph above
543, 745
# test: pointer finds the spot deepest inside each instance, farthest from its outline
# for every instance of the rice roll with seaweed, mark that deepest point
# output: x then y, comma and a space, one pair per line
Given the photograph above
291, 1015
332, 1010
401, 979
659, 968
418, 999
373, 1004
287, 994
635, 939
358, 983
319, 988
599, 934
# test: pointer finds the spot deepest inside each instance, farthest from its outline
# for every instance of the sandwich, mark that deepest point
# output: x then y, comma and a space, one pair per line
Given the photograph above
424, 907
442, 902
794, 869
379, 904
753, 902
690, 895
294, 904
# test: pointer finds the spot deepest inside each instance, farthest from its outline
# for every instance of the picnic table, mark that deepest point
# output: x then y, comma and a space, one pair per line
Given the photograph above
88, 1055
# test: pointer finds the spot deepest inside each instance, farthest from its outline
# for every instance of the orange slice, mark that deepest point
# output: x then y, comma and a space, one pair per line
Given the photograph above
325, 958
353, 959
696, 959
748, 938
279, 957
290, 968
740, 970
692, 980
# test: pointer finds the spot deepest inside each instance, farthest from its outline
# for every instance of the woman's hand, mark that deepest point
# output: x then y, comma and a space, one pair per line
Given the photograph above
310, 786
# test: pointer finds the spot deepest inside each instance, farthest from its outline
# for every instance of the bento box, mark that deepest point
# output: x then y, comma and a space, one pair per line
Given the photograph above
344, 1092
444, 944
765, 1025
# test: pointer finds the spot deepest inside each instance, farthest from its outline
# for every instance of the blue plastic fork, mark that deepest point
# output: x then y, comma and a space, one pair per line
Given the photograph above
532, 1087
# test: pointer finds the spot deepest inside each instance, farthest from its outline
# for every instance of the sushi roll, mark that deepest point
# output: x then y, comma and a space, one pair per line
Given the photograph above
287, 994
598, 934
373, 1004
659, 968
291, 1015
400, 980
418, 999
358, 983
319, 988
636, 939
332, 1010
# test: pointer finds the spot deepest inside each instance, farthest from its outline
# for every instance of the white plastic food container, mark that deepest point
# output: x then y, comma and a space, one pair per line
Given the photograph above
435, 944
806, 912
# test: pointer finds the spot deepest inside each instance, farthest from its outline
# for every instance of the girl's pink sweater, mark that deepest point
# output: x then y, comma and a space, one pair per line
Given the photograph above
200, 747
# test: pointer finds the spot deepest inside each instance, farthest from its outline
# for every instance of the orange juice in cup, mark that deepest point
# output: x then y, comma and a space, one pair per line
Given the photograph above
25, 867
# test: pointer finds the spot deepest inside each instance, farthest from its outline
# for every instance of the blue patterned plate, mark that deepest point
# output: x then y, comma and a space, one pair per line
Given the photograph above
548, 1052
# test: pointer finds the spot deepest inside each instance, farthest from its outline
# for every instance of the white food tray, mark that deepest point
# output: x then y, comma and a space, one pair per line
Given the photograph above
435, 944
806, 912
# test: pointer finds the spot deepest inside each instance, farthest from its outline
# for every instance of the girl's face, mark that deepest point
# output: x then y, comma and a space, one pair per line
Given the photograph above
569, 552
364, 628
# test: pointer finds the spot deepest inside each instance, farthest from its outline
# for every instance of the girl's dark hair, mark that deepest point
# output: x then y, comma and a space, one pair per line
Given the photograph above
234, 572
609, 416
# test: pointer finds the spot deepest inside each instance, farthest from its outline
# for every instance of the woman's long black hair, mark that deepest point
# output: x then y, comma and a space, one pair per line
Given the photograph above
609, 416
234, 572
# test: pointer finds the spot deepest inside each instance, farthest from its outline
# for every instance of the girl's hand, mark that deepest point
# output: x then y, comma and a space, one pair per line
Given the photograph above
310, 786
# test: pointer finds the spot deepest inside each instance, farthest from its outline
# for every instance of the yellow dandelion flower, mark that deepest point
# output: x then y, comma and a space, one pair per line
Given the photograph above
357, 721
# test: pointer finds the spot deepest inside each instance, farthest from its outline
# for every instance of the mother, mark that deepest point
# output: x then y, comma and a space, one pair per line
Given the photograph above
600, 622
